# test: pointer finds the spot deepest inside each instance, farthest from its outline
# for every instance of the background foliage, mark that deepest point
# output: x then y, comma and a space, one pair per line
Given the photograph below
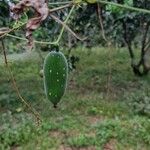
105, 105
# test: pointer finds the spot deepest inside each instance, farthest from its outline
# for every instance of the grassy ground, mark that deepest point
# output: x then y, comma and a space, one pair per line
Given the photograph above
93, 115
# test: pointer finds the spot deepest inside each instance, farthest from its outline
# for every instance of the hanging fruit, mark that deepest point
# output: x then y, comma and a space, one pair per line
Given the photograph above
55, 76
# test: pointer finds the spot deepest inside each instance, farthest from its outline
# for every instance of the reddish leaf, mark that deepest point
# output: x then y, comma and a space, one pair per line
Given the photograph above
41, 13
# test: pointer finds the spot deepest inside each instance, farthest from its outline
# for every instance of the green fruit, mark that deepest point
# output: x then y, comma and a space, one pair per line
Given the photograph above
55, 76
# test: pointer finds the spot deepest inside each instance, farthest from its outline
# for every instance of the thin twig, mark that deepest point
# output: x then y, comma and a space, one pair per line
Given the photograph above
67, 28
109, 77
59, 3
35, 113
17, 37
125, 6
66, 20
99, 10
147, 46
13, 29
60, 8
3, 30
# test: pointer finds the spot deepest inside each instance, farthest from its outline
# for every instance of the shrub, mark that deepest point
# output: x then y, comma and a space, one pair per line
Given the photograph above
140, 103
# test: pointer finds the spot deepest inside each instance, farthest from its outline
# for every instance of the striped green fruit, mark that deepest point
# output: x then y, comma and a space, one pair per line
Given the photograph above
55, 76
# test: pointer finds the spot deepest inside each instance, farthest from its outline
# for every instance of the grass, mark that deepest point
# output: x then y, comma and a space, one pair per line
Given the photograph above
87, 117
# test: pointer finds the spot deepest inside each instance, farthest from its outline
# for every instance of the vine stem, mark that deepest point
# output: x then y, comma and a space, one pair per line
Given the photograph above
67, 27
34, 112
24, 39
60, 8
99, 13
13, 29
125, 6
60, 3
62, 30
51, 43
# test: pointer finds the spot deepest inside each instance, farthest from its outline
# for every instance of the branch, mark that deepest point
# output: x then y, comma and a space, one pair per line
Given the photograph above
60, 8
59, 3
67, 28
125, 6
147, 45
145, 33
127, 41
99, 11
4, 31
35, 113
52, 43
3, 34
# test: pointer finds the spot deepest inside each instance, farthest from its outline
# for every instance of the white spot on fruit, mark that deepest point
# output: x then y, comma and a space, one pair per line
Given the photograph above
50, 71
57, 72
57, 80
50, 93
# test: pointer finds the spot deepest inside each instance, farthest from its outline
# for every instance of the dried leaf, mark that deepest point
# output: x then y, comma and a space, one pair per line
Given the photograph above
41, 13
